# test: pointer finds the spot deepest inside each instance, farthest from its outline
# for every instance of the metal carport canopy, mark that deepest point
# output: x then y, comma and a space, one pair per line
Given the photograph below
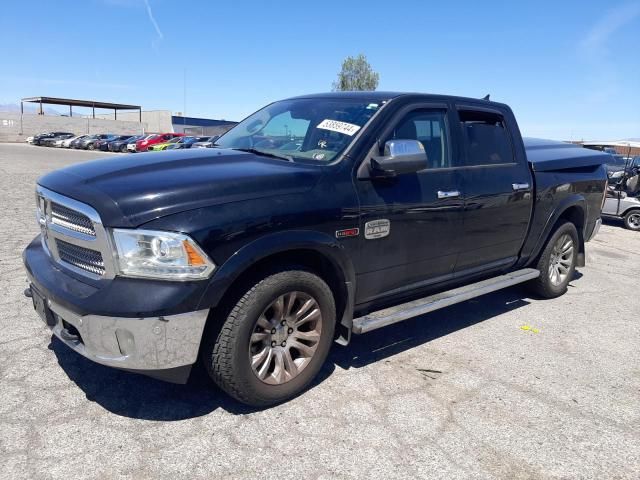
80, 103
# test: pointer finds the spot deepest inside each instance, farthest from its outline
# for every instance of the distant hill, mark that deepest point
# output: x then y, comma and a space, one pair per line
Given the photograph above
28, 108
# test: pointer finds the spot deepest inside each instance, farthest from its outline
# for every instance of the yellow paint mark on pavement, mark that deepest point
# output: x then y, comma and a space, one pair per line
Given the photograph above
529, 328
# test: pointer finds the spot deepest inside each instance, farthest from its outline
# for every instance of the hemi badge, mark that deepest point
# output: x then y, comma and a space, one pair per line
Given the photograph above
348, 232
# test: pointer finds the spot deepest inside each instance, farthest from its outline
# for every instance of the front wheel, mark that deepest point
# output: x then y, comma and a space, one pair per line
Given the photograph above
632, 220
557, 262
275, 339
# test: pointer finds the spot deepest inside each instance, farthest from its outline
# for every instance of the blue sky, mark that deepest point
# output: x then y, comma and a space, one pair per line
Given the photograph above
569, 69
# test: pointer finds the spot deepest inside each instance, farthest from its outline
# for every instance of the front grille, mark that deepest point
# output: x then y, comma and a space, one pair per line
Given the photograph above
80, 257
68, 218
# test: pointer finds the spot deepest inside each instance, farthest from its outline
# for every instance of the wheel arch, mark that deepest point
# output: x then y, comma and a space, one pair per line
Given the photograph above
572, 209
631, 208
312, 250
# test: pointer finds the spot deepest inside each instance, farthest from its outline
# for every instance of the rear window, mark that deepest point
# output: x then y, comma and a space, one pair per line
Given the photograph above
486, 138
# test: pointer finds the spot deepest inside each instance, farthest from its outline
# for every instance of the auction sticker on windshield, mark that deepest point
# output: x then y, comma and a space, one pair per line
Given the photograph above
340, 127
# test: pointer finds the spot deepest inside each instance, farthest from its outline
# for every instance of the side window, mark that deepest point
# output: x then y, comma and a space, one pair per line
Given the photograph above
486, 138
429, 127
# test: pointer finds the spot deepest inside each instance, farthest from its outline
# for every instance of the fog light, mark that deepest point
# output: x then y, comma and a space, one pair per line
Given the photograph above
126, 343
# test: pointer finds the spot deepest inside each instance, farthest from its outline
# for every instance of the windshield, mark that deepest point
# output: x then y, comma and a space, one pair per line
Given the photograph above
307, 129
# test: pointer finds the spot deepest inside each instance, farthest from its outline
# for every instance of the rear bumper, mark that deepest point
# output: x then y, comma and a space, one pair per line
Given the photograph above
594, 231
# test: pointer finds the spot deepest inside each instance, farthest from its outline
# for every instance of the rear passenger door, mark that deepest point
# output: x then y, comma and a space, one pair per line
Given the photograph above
497, 187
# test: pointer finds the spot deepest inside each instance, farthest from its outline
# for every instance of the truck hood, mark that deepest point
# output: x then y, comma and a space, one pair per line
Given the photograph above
131, 190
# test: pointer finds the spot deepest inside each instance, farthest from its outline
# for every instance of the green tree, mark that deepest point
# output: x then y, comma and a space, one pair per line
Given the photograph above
356, 74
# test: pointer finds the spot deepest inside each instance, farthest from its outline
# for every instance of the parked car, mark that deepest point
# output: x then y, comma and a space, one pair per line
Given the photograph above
37, 139
103, 144
67, 143
187, 142
254, 257
208, 143
55, 141
163, 145
121, 145
75, 143
89, 143
143, 144
59, 143
29, 139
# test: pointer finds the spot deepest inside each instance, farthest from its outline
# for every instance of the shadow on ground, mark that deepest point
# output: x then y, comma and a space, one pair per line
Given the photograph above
613, 222
137, 396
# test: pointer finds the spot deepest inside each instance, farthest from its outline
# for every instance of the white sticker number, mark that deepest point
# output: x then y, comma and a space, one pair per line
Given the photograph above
340, 127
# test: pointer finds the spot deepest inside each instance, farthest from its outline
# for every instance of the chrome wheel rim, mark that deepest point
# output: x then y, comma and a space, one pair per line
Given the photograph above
561, 260
285, 338
634, 220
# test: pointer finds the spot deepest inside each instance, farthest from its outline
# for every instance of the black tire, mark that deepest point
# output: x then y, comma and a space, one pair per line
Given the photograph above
91, 146
226, 350
123, 148
632, 220
544, 286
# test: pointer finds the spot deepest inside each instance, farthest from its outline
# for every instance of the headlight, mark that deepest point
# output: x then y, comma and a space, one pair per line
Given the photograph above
160, 255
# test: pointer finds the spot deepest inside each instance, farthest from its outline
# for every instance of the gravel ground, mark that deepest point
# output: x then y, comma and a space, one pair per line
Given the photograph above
465, 392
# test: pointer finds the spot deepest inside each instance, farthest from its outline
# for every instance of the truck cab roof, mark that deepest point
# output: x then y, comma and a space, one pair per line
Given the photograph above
383, 96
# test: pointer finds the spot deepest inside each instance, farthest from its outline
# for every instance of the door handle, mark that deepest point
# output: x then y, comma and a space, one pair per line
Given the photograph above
520, 186
450, 194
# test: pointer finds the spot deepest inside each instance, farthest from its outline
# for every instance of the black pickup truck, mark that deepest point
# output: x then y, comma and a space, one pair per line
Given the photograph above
314, 218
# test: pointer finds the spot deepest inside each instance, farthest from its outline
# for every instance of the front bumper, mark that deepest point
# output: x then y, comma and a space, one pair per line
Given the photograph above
153, 328
162, 347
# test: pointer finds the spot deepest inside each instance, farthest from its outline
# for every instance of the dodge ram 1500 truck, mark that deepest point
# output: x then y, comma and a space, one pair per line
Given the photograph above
314, 218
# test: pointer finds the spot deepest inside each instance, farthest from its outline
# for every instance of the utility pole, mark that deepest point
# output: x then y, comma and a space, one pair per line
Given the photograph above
184, 99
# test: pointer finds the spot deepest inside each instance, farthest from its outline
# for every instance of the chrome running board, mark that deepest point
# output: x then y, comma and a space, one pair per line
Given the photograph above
388, 316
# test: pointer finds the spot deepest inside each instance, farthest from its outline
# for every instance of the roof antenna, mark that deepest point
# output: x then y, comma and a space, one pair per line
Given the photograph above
486, 97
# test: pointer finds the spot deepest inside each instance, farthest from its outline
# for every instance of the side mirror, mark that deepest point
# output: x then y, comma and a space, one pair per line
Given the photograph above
400, 156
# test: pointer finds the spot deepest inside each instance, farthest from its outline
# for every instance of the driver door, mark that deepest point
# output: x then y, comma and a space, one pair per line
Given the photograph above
420, 213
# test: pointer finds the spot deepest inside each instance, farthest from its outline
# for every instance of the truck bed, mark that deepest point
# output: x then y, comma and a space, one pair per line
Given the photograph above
551, 155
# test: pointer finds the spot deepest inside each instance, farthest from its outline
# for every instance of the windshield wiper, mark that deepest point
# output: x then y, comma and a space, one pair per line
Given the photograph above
264, 154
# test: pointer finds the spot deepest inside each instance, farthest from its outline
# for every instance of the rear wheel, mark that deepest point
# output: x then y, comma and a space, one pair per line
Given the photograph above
557, 262
632, 220
123, 148
275, 339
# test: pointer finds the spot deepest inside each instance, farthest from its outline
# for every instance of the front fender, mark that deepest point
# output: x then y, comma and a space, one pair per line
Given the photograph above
277, 243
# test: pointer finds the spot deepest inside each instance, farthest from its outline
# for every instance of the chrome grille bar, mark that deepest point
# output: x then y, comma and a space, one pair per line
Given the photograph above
68, 218
84, 258
73, 235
